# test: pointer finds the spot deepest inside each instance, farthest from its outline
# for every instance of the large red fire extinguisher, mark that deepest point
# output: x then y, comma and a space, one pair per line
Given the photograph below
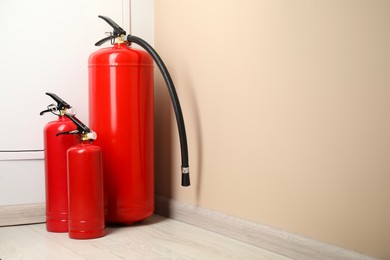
85, 184
121, 81
55, 165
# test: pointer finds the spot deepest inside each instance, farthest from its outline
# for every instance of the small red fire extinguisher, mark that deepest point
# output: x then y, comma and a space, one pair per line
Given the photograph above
85, 184
121, 80
55, 165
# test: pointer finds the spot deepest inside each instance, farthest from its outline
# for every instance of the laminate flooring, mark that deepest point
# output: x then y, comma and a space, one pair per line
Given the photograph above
155, 238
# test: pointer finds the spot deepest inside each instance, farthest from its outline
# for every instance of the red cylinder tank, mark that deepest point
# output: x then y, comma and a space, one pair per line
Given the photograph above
121, 110
56, 173
85, 180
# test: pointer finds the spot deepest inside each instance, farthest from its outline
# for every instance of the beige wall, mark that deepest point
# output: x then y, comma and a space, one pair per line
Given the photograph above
287, 108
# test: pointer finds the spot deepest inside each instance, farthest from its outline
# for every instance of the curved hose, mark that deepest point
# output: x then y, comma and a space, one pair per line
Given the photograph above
185, 177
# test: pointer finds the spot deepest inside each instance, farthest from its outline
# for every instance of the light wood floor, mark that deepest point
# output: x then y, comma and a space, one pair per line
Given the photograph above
155, 238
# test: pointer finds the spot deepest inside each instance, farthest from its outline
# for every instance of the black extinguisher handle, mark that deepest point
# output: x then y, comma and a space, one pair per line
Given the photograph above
102, 41
84, 131
61, 108
61, 104
117, 32
73, 132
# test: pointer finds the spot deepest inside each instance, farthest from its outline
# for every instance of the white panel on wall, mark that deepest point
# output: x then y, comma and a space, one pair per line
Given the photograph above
21, 182
44, 47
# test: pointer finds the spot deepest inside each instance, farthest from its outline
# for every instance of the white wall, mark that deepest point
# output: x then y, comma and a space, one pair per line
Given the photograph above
44, 48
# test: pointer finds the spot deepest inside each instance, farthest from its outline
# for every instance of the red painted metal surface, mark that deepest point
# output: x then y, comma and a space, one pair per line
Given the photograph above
56, 173
86, 200
121, 111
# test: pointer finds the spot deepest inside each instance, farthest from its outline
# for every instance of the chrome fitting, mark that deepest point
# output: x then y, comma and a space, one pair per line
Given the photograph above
185, 170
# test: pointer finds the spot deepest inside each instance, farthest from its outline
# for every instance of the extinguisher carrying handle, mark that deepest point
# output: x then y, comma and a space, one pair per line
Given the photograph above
82, 129
185, 173
109, 38
118, 31
62, 106
73, 132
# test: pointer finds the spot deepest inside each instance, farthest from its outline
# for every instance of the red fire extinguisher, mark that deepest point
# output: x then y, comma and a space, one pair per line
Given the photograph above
85, 184
55, 165
121, 81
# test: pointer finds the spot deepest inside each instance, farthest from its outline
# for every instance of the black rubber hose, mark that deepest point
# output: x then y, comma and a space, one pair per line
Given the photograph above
185, 180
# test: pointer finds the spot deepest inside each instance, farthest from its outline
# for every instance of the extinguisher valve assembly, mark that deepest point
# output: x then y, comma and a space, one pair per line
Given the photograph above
62, 108
120, 34
82, 130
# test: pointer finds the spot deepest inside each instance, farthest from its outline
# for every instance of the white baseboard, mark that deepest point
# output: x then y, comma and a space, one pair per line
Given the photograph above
22, 214
278, 241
